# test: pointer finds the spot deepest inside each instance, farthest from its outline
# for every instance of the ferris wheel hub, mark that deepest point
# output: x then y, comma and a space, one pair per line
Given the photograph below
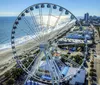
43, 46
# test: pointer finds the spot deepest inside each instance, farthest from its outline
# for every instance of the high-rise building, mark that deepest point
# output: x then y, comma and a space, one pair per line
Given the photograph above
86, 17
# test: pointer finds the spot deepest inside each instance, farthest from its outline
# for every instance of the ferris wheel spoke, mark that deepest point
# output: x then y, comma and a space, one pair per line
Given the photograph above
31, 62
62, 29
41, 18
28, 24
43, 27
37, 61
49, 16
48, 22
34, 32
33, 18
31, 29
26, 32
35, 23
57, 21
41, 24
58, 18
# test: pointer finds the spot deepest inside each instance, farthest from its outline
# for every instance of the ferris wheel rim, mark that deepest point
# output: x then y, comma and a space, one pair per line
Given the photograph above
14, 50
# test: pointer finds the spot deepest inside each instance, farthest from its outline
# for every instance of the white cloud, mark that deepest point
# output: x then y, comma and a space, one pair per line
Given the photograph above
9, 13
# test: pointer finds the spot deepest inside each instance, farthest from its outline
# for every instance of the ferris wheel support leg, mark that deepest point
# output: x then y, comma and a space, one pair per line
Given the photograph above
47, 60
42, 48
56, 66
56, 69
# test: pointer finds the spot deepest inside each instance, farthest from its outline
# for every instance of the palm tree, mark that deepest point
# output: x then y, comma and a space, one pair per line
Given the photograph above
93, 50
92, 62
91, 74
92, 65
93, 70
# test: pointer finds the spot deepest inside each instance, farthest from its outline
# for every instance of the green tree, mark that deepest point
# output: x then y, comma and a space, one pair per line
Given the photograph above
30, 59
78, 59
63, 60
7, 74
10, 81
16, 72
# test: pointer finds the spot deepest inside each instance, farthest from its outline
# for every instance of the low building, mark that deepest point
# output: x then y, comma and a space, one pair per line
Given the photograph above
69, 72
80, 77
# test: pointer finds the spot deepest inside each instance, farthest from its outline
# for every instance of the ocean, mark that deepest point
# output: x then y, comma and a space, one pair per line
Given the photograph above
6, 24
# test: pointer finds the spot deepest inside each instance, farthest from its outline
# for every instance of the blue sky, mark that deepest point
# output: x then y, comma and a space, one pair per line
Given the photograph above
77, 7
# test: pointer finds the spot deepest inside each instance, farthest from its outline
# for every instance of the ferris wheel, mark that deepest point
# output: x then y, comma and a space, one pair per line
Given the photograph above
33, 38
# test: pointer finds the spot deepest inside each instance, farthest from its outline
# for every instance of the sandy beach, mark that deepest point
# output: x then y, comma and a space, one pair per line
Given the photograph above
5, 56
